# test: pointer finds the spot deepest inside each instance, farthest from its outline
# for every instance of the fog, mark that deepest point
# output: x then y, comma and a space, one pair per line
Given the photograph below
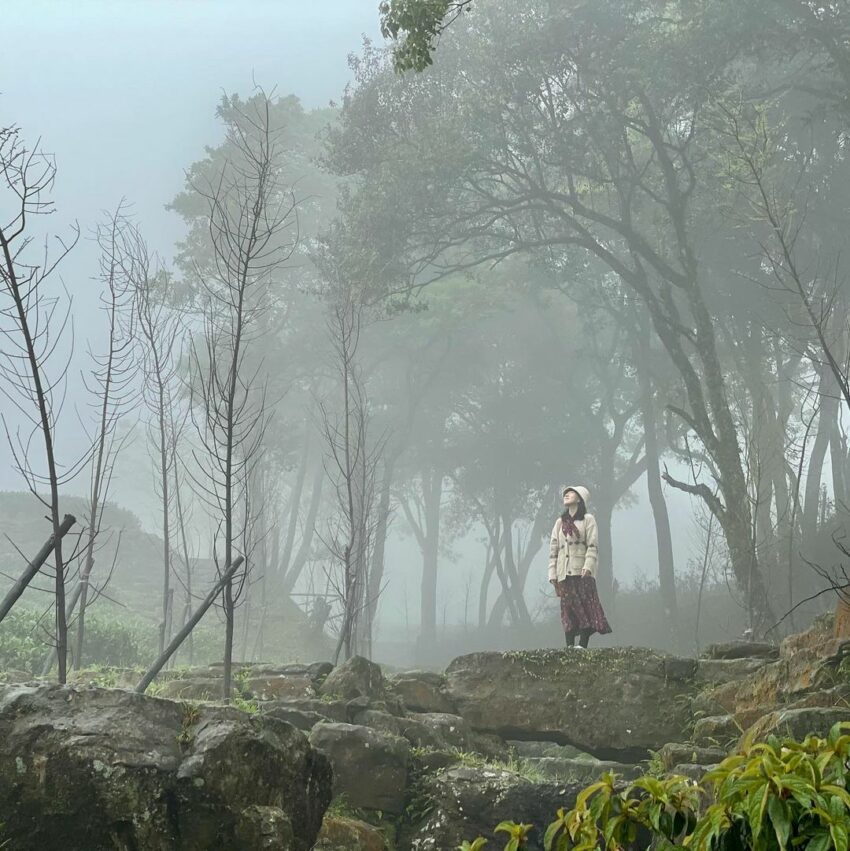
464, 345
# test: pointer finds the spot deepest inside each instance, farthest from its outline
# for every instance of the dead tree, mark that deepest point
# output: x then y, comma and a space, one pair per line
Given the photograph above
227, 576
32, 321
32, 569
183, 519
351, 463
111, 385
252, 229
160, 336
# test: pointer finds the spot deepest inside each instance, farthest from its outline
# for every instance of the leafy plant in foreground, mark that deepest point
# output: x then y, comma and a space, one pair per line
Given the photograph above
778, 795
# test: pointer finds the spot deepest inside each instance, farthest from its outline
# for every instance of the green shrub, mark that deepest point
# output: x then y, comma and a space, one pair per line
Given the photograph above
26, 637
774, 796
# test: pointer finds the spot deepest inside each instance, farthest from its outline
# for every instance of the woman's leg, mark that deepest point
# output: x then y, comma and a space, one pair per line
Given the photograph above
584, 637
571, 638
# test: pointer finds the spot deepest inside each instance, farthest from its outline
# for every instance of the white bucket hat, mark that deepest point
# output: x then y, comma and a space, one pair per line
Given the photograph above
581, 490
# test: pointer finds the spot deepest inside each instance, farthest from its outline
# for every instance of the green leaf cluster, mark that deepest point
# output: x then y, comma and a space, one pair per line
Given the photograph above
415, 24
776, 795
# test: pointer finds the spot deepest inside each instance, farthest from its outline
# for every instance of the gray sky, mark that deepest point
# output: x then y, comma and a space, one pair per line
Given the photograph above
124, 92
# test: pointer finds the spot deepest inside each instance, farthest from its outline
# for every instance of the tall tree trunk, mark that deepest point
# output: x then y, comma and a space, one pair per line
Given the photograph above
663, 538
538, 534
432, 499
302, 556
517, 585
827, 423
486, 578
603, 511
837, 453
376, 572
295, 507
507, 599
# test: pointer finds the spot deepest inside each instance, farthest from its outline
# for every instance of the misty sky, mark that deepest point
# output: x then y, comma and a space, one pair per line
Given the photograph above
124, 94
124, 91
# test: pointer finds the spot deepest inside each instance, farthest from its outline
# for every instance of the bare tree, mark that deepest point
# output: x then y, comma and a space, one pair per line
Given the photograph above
352, 461
160, 335
227, 575
252, 233
111, 385
32, 321
183, 520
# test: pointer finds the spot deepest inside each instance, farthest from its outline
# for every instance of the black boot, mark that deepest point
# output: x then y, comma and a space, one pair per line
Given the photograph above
571, 638
584, 637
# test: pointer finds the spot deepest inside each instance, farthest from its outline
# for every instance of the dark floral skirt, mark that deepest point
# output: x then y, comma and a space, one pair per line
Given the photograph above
580, 606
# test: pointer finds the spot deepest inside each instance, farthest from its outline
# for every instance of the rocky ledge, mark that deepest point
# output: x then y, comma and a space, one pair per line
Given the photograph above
413, 761
93, 768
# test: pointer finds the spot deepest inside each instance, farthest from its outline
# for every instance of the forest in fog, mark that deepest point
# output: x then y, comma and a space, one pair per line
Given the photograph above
534, 245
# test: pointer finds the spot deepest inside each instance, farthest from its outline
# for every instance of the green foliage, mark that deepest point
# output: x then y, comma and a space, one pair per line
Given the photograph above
516, 765
111, 640
518, 834
190, 717
772, 796
475, 845
416, 25
248, 705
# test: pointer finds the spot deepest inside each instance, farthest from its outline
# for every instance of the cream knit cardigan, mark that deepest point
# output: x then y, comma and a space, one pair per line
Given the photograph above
569, 556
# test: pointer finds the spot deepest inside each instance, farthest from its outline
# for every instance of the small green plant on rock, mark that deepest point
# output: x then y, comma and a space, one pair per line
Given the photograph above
245, 704
518, 834
191, 714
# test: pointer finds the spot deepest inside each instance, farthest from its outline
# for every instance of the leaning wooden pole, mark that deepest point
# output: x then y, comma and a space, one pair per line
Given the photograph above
190, 624
34, 566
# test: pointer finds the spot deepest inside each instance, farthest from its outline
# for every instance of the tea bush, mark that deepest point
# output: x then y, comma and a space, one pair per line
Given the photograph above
118, 641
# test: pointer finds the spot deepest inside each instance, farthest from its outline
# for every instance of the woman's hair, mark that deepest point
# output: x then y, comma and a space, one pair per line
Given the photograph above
580, 511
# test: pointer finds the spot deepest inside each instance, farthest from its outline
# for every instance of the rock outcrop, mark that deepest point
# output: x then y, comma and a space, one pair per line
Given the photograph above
806, 674
369, 766
463, 802
90, 769
347, 834
422, 752
422, 691
616, 703
357, 677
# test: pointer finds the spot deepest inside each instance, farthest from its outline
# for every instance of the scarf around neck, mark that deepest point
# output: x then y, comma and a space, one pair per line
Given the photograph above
568, 525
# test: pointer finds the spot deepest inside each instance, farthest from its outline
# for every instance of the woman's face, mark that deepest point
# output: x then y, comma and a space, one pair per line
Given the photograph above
570, 498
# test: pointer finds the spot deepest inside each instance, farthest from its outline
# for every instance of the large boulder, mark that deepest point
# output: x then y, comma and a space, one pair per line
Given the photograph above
676, 753
192, 688
582, 772
716, 731
356, 677
369, 765
422, 691
340, 833
438, 730
717, 671
462, 802
90, 769
742, 650
798, 723
615, 703
278, 686
807, 674
324, 710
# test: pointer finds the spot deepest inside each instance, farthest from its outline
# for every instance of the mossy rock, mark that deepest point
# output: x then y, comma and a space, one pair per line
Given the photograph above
340, 833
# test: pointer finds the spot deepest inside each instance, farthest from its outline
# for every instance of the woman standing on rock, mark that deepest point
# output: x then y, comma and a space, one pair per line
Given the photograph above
573, 556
